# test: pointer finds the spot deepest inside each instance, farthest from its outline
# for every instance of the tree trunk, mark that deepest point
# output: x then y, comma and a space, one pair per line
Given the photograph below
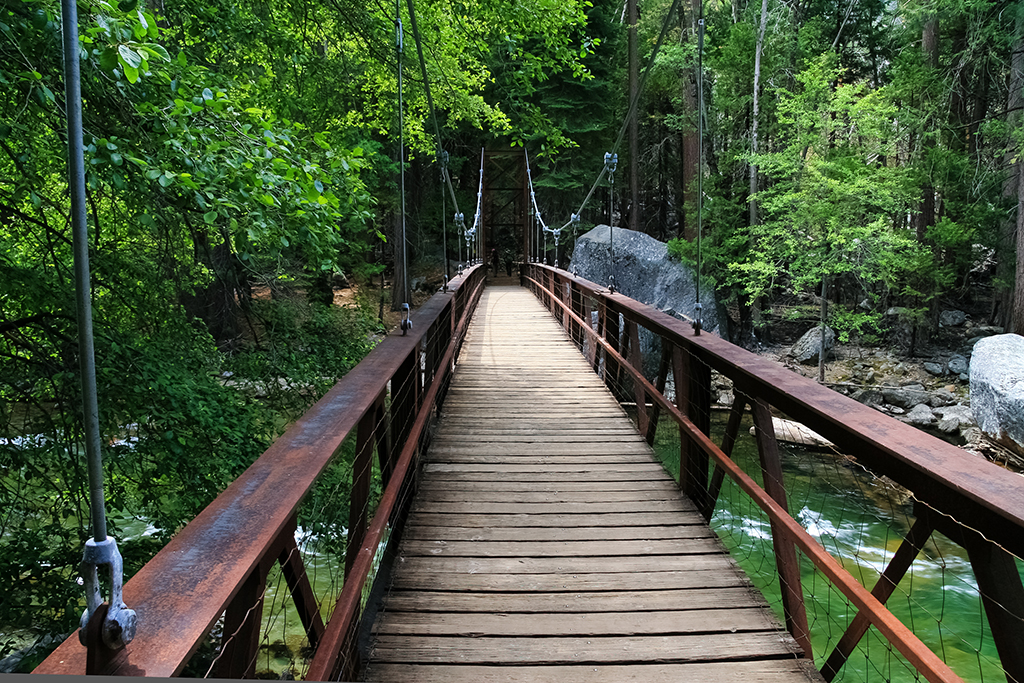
752, 203
1013, 312
634, 136
930, 46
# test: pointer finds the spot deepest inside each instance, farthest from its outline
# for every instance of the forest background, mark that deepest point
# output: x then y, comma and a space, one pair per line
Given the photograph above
242, 157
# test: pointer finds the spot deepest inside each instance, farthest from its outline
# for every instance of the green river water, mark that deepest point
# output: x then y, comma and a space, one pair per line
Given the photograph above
860, 520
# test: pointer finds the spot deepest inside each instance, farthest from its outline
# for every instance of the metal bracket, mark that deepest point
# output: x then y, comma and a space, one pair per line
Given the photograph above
698, 323
406, 322
120, 624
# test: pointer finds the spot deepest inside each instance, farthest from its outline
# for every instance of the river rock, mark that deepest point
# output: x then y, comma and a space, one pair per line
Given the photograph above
643, 271
997, 389
934, 369
905, 397
808, 347
920, 415
952, 318
869, 397
954, 418
942, 397
957, 365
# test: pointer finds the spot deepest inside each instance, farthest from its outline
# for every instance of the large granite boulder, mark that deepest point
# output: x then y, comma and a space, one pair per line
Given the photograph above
643, 271
997, 389
807, 348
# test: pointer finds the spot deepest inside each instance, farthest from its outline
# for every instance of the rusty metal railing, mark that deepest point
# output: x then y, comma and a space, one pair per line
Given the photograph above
217, 566
973, 502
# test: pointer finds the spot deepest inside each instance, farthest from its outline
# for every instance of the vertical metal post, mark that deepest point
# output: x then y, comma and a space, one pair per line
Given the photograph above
698, 322
83, 299
401, 151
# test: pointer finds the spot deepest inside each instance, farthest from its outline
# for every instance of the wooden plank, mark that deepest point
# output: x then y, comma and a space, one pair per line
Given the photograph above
716, 621
719, 577
588, 508
418, 532
765, 671
585, 650
556, 548
556, 521
581, 468
582, 602
658, 485
705, 556
539, 476
439, 493
513, 458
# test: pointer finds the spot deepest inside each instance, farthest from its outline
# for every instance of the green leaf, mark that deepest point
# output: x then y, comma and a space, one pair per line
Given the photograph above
318, 185
131, 73
127, 5
165, 180
116, 159
266, 199
108, 59
154, 173
210, 217
207, 94
157, 51
129, 56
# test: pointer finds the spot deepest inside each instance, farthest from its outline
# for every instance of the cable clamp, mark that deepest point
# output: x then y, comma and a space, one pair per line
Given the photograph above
406, 322
120, 624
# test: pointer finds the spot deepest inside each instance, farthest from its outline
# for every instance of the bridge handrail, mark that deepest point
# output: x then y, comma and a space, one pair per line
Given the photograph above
980, 498
209, 566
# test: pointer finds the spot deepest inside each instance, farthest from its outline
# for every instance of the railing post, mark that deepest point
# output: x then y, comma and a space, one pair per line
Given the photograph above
298, 585
693, 398
362, 471
666, 361
785, 549
242, 621
637, 361
732, 430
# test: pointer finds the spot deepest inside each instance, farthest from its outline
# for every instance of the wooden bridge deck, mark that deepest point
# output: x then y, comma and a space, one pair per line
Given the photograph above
546, 543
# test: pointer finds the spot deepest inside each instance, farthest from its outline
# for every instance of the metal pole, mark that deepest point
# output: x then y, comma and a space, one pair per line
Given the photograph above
83, 299
119, 623
698, 323
401, 152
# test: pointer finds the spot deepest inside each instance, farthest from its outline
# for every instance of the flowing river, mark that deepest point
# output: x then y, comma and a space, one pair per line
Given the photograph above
861, 520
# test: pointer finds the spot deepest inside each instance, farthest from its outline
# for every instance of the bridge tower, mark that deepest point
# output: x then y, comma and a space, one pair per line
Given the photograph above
506, 201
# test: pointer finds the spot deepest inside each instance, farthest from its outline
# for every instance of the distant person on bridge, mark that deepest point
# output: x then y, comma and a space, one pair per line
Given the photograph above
494, 260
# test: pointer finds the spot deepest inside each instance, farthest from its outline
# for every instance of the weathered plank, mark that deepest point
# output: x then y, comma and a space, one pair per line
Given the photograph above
720, 576
584, 650
723, 597
763, 671
418, 532
556, 548
664, 622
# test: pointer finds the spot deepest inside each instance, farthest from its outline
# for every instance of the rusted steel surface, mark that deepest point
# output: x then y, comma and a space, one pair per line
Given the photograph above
326, 661
902, 638
977, 493
183, 590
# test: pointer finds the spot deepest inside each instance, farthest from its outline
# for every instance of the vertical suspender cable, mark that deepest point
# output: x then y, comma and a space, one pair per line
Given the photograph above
401, 152
119, 624
698, 308
80, 229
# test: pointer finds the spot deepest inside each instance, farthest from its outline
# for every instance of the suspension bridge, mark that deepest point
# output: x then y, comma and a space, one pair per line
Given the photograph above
507, 519
527, 534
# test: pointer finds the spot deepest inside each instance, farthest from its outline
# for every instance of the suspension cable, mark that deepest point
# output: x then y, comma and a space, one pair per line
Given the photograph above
401, 151
469, 234
698, 322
